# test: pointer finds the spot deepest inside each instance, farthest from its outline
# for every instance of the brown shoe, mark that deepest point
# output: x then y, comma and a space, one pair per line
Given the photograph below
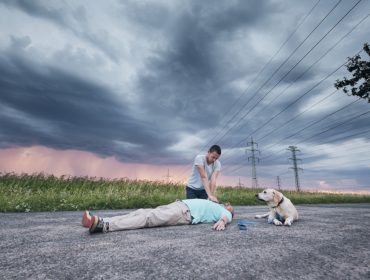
86, 219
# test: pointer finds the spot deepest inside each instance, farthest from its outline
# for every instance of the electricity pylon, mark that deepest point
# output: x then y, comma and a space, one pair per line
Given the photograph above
168, 175
253, 158
240, 184
278, 182
294, 158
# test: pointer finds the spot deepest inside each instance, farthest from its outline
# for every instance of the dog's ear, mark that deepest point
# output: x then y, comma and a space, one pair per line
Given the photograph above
277, 196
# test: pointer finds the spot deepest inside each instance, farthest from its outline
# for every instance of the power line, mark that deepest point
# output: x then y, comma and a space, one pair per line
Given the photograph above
254, 159
265, 66
313, 123
353, 153
359, 147
337, 125
335, 140
352, 135
364, 18
295, 101
316, 45
321, 119
291, 70
352, 29
264, 158
236, 169
286, 172
330, 49
258, 74
319, 167
271, 154
301, 114
298, 115
281, 65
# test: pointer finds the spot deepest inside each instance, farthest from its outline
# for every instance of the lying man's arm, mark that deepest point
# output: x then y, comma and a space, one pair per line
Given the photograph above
221, 224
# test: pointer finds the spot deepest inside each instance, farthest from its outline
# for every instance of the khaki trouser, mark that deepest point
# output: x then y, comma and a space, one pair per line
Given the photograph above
176, 213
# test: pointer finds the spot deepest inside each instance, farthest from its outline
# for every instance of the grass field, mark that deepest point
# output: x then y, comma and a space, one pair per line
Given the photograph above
39, 192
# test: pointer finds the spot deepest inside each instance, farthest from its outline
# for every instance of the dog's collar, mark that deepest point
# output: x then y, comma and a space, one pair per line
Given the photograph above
280, 202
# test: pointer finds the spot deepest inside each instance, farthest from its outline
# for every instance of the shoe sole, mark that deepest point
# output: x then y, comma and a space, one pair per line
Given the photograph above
86, 219
94, 223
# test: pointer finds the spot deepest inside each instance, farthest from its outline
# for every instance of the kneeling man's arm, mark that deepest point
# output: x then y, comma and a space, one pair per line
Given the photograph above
221, 224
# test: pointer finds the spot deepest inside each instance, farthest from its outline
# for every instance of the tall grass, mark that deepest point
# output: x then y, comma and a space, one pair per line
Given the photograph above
39, 192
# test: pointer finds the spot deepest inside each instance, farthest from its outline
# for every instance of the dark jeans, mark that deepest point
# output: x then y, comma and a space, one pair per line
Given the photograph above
191, 193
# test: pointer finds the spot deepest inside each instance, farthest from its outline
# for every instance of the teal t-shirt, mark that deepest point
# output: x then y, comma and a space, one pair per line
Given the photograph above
206, 211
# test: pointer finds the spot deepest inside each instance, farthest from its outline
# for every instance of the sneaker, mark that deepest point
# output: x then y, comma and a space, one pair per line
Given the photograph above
86, 219
98, 225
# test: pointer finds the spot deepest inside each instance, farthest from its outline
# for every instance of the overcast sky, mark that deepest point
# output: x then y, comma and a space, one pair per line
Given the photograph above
137, 88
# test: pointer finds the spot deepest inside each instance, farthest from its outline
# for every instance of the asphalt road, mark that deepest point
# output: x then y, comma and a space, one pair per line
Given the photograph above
328, 242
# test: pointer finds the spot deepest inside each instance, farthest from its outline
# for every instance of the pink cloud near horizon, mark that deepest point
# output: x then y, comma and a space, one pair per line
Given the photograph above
37, 159
40, 159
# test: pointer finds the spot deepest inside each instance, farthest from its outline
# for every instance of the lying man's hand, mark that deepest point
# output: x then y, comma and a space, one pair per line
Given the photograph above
220, 225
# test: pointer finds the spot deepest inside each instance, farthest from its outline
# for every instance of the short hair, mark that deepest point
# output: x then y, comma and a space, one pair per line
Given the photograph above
215, 148
228, 204
232, 212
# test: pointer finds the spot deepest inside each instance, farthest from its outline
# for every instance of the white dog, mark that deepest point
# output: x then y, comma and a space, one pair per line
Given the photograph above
282, 209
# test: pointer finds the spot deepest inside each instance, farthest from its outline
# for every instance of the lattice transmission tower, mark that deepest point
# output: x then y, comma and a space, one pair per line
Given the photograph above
253, 159
295, 167
278, 182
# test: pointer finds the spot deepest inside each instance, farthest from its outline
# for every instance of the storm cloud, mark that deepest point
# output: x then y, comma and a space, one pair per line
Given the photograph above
158, 82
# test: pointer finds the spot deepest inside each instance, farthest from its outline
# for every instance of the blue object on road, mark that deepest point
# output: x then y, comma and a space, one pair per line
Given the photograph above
243, 224
242, 227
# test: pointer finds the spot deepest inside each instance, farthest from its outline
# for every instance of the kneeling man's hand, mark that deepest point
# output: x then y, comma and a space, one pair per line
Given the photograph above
213, 198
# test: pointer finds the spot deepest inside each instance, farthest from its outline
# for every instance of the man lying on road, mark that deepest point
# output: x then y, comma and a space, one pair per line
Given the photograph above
182, 212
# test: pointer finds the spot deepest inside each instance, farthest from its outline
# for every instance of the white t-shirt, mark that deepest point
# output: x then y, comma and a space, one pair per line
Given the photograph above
195, 182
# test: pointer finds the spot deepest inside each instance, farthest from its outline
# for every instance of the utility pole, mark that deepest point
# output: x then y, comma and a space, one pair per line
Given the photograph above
294, 158
253, 160
278, 182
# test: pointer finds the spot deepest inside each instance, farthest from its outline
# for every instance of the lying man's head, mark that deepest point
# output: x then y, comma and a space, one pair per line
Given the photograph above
229, 208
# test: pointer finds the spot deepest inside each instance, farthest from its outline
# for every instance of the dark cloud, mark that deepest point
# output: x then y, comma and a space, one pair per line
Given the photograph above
178, 68
147, 15
81, 114
39, 8
74, 20
185, 79
20, 43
